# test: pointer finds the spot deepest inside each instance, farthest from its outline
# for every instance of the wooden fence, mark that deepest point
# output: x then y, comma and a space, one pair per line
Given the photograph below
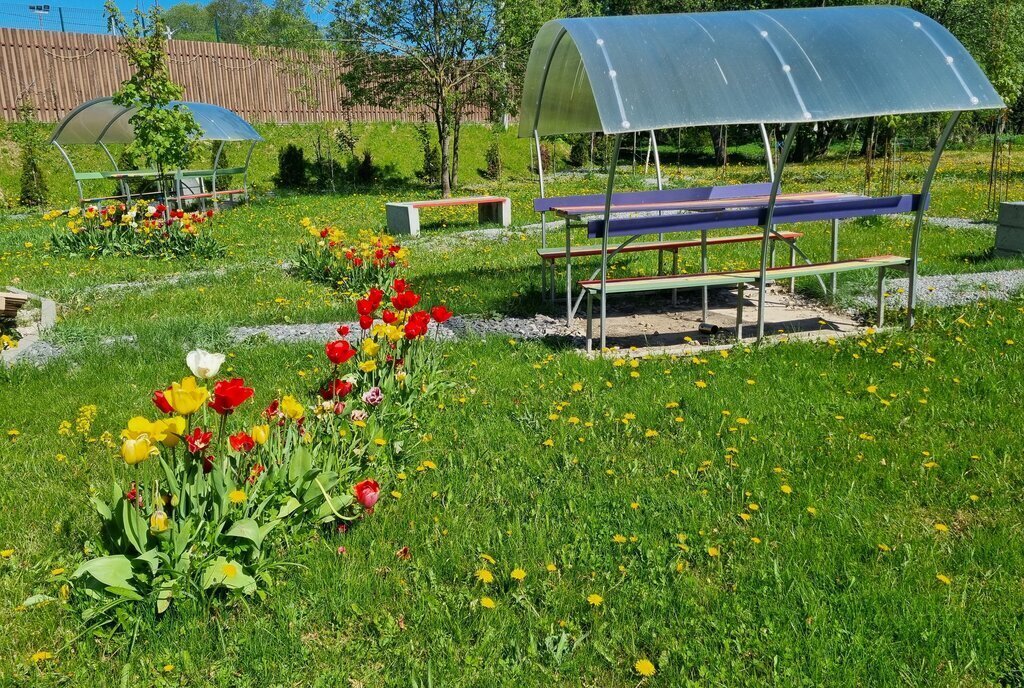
59, 71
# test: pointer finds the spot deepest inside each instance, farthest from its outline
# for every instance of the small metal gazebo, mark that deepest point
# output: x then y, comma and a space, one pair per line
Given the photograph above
619, 75
101, 122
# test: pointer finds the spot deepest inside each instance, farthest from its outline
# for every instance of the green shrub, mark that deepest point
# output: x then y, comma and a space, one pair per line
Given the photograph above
493, 158
29, 139
291, 168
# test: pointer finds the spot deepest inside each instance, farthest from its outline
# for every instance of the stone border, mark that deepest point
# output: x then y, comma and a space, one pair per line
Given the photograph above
30, 334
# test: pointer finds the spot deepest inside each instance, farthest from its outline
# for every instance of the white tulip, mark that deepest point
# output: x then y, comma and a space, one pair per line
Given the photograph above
204, 364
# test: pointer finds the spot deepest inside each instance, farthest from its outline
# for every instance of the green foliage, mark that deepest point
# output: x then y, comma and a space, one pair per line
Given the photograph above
165, 134
29, 139
292, 172
493, 157
138, 230
431, 170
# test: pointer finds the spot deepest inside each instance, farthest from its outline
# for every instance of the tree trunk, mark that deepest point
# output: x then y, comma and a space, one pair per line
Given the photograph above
721, 145
444, 143
456, 130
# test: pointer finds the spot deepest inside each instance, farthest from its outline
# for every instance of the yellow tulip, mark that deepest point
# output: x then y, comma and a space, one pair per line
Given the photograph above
292, 408
260, 434
173, 429
370, 347
368, 366
186, 397
139, 426
136, 450
158, 521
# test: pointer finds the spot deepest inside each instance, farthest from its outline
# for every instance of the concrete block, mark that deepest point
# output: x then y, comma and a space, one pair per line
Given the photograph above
1010, 230
403, 218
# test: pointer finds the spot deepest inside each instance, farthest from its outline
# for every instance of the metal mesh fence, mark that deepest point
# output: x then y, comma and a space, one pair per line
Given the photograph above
41, 15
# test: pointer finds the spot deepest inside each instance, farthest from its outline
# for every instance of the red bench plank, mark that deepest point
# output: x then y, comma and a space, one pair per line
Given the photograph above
458, 201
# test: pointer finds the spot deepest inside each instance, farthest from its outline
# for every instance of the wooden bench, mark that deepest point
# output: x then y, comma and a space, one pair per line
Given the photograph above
738, 279
10, 304
404, 217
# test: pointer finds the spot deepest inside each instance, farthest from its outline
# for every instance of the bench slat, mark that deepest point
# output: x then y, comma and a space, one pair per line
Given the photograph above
785, 213
711, 279
584, 251
475, 200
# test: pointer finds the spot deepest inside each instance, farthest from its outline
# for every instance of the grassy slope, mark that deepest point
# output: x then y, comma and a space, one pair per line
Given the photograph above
815, 602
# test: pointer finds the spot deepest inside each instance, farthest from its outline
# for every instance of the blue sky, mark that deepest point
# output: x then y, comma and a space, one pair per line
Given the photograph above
82, 15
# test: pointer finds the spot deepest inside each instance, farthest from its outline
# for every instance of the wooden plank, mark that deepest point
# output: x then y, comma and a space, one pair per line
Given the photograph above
585, 251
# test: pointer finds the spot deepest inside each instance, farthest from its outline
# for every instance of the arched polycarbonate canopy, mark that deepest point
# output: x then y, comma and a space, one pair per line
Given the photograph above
101, 121
639, 73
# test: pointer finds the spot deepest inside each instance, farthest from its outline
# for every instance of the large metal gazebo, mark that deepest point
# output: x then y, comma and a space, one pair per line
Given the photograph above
103, 123
619, 75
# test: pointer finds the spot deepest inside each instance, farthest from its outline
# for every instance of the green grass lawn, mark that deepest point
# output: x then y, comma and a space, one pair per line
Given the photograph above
844, 513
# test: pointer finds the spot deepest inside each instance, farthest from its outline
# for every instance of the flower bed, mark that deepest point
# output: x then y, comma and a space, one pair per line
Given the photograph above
211, 494
354, 266
137, 230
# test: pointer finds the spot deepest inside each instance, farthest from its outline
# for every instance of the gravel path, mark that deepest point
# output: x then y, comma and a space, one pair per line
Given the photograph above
953, 290
537, 327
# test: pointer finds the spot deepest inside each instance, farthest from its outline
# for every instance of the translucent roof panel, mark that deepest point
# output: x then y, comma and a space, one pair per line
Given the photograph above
635, 73
101, 121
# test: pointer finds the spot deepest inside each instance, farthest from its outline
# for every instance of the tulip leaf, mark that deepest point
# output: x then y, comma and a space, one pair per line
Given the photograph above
113, 571
128, 593
172, 480
151, 558
228, 574
36, 600
300, 463
288, 508
247, 529
101, 508
134, 526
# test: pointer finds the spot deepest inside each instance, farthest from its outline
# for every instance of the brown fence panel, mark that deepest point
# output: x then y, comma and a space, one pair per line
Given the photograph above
60, 71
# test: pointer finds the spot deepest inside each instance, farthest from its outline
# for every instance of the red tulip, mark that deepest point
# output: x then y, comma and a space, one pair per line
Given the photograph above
367, 492
208, 463
389, 316
198, 440
343, 331
272, 410
405, 300
242, 442
339, 351
229, 395
440, 314
160, 401
365, 322
336, 389
399, 285
375, 297
365, 306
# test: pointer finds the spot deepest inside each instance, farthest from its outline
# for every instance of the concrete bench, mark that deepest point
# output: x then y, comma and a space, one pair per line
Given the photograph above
404, 217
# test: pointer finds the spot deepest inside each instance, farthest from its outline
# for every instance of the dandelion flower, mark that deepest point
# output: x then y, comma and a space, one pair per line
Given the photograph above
41, 656
943, 578
882, 547
551, 567
941, 528
518, 574
595, 600
786, 489
484, 576
645, 668
713, 552
619, 538
237, 496
487, 603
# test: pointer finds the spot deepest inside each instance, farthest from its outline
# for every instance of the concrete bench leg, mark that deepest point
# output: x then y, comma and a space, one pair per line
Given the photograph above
403, 219
590, 321
499, 213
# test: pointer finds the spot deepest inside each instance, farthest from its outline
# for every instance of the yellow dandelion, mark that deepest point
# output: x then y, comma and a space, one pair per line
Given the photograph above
786, 489
713, 552
943, 578
487, 603
941, 528
518, 574
551, 567
484, 576
595, 600
645, 668
237, 496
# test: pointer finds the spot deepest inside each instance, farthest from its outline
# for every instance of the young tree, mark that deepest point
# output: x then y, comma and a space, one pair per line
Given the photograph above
189, 21
165, 133
432, 54
28, 135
